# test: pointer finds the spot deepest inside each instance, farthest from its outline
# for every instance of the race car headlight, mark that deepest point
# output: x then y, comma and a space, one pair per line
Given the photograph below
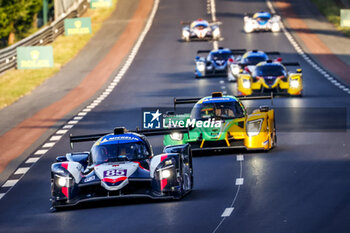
185, 33
275, 27
235, 69
200, 66
216, 32
246, 83
176, 136
63, 181
166, 173
294, 83
254, 127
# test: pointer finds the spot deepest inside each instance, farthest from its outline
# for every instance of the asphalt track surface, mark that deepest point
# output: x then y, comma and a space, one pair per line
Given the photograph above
300, 186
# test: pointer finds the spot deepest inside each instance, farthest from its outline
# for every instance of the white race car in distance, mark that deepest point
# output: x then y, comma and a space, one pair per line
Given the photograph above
200, 30
262, 21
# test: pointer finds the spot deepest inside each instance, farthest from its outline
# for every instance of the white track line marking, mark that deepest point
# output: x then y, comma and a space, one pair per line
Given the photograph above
294, 43
72, 122
9, 183
2, 195
227, 212
41, 152
82, 113
32, 160
48, 144
239, 181
55, 138
77, 118
240, 157
234, 199
62, 131
68, 126
21, 170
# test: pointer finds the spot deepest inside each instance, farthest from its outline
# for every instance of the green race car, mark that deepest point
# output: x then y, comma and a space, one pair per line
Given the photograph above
222, 122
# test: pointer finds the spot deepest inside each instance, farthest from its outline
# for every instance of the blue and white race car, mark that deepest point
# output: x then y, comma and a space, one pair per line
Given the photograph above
262, 21
200, 29
246, 63
120, 165
216, 62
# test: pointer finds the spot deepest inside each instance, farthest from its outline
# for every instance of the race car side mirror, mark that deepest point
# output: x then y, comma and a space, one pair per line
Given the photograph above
264, 108
299, 71
61, 159
279, 59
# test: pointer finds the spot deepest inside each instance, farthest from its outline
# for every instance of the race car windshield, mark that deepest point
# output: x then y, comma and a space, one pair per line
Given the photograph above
223, 110
221, 56
274, 70
253, 60
200, 26
263, 19
119, 152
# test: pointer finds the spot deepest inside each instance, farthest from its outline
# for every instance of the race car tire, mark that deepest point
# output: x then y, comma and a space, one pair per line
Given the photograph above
178, 195
275, 133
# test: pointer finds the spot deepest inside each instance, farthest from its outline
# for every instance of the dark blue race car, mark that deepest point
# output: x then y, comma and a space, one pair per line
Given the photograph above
247, 62
216, 62
121, 165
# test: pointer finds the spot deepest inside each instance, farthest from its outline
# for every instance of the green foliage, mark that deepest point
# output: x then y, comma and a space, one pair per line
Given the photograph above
17, 16
331, 9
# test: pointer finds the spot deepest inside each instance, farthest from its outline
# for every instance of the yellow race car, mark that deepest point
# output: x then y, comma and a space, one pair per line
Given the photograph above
220, 122
271, 77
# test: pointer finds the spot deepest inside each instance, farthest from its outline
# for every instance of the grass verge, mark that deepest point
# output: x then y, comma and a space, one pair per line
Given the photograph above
331, 9
16, 83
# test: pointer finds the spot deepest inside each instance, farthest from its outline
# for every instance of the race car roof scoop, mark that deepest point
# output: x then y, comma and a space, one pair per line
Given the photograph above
119, 130
185, 101
216, 94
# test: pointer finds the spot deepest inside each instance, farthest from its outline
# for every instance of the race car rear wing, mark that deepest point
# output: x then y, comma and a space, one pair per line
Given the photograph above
249, 14
234, 51
272, 53
290, 63
210, 22
122, 130
155, 132
178, 101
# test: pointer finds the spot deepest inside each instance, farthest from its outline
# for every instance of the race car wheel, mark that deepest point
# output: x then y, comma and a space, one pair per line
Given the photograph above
275, 134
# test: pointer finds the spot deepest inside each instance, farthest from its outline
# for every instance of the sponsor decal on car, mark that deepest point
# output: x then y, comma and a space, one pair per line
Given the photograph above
114, 172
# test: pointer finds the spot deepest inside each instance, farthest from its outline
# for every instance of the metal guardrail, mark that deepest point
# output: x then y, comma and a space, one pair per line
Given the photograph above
44, 36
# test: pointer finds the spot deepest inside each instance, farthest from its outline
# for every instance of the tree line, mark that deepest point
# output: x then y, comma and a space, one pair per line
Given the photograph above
18, 17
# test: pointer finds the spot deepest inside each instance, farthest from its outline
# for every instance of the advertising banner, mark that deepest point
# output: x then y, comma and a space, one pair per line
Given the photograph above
34, 57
